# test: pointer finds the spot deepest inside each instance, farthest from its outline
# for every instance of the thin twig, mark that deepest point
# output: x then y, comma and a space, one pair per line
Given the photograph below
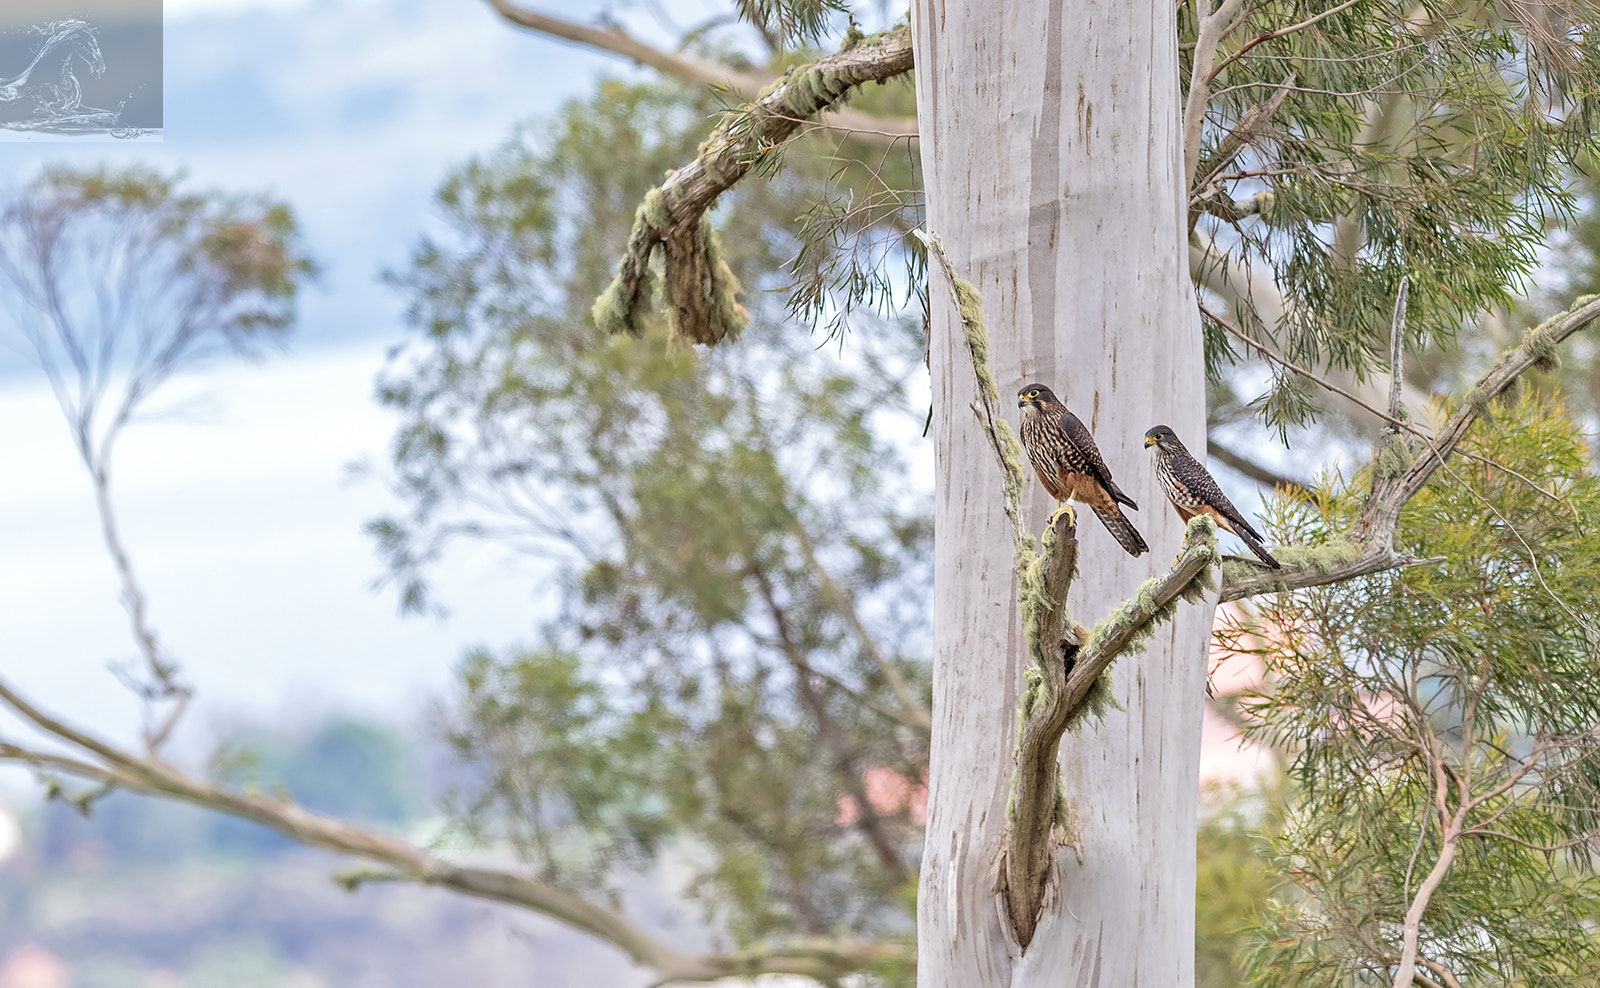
1271, 35
1397, 335
1393, 420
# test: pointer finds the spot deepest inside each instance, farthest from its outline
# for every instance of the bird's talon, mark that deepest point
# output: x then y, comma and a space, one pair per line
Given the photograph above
1065, 509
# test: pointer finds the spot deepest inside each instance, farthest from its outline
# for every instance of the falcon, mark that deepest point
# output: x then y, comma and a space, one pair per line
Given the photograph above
1069, 464
1192, 491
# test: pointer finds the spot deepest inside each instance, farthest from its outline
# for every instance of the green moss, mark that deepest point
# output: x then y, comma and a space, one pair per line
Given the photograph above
1201, 530
1393, 457
1143, 613
724, 289
609, 312
1032, 692
1065, 823
1478, 399
653, 211
1541, 346
634, 288
1233, 569
1099, 701
615, 315
1321, 558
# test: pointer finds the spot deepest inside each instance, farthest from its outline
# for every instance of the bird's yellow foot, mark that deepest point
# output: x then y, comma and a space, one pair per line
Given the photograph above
1064, 511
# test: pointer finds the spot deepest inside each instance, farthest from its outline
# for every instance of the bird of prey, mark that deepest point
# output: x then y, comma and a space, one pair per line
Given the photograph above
1069, 464
1192, 491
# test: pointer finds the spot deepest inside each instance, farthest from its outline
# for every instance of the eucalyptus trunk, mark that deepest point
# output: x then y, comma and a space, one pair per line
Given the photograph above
1051, 149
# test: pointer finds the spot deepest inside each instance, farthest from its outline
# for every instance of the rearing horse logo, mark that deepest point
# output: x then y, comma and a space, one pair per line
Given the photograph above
59, 98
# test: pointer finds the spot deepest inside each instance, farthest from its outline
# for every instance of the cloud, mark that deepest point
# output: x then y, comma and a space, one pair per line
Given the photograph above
247, 535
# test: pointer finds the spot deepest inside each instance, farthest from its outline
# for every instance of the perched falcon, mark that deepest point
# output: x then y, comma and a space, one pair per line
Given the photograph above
1069, 464
1193, 492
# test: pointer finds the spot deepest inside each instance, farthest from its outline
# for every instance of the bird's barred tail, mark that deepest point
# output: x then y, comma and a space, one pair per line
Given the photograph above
1258, 549
1122, 530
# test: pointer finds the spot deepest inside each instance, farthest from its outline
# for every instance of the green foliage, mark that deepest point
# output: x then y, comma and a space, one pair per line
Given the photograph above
1232, 880
1452, 703
238, 257
741, 551
569, 778
1434, 142
789, 21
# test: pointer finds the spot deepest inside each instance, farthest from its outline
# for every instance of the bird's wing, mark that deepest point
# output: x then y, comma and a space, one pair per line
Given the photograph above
1199, 480
1083, 442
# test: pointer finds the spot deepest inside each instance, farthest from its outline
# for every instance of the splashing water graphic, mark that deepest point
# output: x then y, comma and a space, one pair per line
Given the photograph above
46, 95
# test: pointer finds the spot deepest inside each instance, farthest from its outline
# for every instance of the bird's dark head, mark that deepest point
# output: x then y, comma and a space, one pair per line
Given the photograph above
1162, 438
1036, 396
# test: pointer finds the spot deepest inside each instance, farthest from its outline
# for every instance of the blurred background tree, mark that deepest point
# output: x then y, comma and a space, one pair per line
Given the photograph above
739, 665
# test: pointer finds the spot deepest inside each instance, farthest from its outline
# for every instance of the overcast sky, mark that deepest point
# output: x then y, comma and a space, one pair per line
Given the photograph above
238, 512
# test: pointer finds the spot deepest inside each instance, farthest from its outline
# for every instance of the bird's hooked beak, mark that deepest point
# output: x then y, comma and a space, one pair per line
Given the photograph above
1150, 441
1022, 402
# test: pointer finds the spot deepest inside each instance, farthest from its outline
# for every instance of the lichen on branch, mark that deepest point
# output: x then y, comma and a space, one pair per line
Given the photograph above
701, 290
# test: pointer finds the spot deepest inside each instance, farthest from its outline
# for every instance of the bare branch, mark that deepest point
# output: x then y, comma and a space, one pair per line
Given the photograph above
1397, 337
684, 68
164, 684
1251, 126
1372, 560
1382, 510
406, 862
1450, 826
673, 217
698, 71
1213, 27
1439, 969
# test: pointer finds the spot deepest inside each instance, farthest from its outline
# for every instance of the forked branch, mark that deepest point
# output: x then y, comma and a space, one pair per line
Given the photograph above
1401, 469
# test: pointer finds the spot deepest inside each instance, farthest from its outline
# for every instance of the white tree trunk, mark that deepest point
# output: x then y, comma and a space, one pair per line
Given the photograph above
1050, 148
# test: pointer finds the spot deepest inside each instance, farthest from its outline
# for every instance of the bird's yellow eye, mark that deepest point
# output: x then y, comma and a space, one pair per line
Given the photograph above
1031, 395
